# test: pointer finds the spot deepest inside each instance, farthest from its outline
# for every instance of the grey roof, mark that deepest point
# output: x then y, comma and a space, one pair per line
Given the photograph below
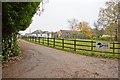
45, 32
65, 31
39, 32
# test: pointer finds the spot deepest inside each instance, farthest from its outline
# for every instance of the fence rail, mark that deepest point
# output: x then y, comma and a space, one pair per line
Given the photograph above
74, 45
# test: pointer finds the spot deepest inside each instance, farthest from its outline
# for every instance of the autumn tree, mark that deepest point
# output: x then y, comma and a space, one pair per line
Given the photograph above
109, 16
84, 28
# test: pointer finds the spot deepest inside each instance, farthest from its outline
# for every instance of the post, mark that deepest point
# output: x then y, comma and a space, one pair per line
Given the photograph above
43, 40
113, 47
30, 38
48, 40
62, 43
53, 42
74, 45
39, 39
91, 45
35, 38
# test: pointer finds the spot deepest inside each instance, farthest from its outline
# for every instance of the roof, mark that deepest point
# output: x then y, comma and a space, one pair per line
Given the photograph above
40, 32
65, 31
37, 32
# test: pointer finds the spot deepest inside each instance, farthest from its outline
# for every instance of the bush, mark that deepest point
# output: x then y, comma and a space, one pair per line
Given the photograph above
106, 38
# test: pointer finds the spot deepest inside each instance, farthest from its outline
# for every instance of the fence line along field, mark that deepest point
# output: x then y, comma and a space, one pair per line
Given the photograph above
80, 46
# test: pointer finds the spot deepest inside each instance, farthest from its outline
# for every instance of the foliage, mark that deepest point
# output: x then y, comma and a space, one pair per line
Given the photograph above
109, 16
97, 32
84, 28
111, 30
81, 27
16, 16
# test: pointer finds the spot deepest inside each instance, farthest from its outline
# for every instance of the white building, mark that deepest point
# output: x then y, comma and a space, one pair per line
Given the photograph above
40, 33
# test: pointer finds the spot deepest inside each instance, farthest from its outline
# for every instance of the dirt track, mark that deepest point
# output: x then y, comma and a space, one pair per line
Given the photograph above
43, 62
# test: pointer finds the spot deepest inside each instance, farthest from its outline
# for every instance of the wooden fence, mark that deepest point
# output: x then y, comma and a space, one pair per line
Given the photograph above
75, 45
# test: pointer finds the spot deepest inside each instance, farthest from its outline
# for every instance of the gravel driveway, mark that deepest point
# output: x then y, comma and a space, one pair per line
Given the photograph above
44, 62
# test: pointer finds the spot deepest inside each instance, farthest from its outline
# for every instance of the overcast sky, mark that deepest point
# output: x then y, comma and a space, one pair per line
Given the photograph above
57, 12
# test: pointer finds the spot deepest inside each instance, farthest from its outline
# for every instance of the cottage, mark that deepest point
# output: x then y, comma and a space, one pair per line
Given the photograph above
40, 33
70, 34
64, 33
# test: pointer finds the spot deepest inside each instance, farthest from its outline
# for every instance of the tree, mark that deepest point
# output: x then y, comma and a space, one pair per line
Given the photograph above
97, 30
72, 23
111, 30
110, 15
16, 16
84, 28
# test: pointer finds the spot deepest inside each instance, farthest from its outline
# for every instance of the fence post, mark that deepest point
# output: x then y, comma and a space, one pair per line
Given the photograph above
39, 39
53, 42
62, 43
113, 47
74, 45
33, 38
30, 38
48, 41
91, 45
43, 40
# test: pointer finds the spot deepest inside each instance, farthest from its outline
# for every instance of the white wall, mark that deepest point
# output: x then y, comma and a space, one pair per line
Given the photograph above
44, 35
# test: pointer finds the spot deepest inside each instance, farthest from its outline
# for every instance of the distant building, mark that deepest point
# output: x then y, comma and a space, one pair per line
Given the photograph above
70, 34
28, 34
64, 33
40, 33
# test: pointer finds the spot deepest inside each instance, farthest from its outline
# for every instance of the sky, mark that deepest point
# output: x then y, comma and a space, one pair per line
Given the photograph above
57, 13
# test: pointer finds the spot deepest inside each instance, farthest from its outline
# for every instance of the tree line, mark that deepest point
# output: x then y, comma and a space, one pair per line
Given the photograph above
106, 24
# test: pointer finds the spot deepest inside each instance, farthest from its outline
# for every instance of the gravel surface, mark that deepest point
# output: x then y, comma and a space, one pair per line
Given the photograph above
43, 62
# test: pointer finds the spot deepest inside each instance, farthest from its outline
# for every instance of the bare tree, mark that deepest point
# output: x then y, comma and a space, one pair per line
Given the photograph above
72, 23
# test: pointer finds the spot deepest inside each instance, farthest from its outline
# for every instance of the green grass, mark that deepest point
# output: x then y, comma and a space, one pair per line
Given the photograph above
58, 45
